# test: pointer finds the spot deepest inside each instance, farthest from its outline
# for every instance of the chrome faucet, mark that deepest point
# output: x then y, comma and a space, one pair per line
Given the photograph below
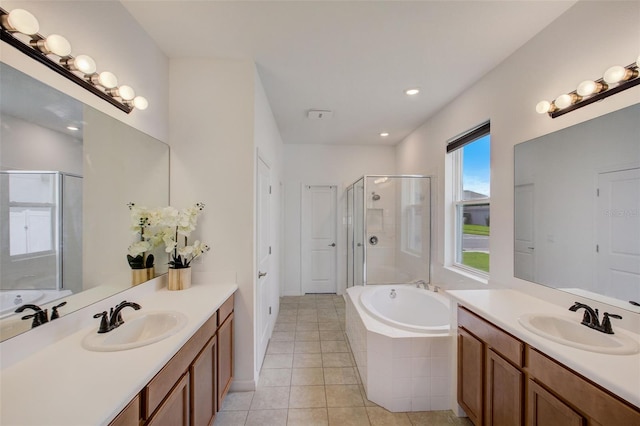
590, 318
423, 283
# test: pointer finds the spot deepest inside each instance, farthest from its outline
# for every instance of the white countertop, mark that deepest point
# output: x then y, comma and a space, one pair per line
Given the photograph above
64, 384
619, 374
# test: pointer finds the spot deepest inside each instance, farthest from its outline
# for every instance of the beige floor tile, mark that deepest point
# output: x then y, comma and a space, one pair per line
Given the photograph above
307, 360
237, 401
307, 326
287, 317
275, 377
267, 418
278, 361
332, 335
337, 359
351, 416
329, 325
308, 311
344, 396
308, 417
307, 377
279, 347
284, 326
307, 397
378, 416
437, 418
270, 398
367, 403
307, 335
334, 346
341, 376
283, 336
304, 347
307, 318
230, 418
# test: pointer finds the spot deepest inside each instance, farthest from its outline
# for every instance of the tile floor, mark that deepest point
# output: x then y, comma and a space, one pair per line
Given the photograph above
309, 376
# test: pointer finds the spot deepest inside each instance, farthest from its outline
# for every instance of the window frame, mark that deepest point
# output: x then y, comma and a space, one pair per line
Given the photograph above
458, 203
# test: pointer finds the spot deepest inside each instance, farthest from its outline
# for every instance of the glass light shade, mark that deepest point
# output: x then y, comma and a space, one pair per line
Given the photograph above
85, 64
563, 101
107, 80
21, 21
615, 74
587, 87
140, 103
543, 107
126, 93
57, 45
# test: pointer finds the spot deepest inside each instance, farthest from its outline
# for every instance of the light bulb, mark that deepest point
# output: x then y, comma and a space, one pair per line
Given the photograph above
543, 107
616, 74
140, 103
384, 134
412, 92
126, 93
589, 87
107, 80
55, 44
564, 101
83, 63
21, 21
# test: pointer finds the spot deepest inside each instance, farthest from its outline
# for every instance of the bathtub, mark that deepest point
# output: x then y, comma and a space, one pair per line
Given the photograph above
402, 345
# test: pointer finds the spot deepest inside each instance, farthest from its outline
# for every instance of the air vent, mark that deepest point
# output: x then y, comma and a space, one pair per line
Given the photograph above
319, 114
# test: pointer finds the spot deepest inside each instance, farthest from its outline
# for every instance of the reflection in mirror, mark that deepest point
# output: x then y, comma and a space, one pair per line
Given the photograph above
67, 172
577, 209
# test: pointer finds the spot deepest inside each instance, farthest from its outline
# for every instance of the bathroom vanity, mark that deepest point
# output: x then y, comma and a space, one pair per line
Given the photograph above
508, 375
179, 380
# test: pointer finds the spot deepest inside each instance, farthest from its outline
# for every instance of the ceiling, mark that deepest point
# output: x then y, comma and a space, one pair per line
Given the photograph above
355, 58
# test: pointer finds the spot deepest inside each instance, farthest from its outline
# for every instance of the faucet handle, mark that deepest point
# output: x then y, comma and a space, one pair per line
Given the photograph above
54, 310
606, 322
104, 324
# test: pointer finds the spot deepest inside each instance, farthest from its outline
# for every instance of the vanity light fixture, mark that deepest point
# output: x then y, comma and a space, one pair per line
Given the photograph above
615, 79
54, 51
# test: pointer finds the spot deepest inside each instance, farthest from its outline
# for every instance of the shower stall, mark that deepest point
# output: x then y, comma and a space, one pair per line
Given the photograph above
388, 229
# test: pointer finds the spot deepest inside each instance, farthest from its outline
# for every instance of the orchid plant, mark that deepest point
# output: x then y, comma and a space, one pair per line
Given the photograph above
141, 221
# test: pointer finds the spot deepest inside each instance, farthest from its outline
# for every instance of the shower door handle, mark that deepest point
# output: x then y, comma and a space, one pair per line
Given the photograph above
261, 274
332, 245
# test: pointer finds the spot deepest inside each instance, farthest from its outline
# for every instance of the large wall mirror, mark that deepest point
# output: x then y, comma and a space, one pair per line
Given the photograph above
67, 173
577, 209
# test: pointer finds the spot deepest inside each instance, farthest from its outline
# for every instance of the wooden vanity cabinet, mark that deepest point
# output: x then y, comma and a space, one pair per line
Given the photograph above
503, 381
190, 388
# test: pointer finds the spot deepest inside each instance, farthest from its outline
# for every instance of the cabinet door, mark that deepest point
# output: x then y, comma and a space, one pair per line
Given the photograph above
174, 411
470, 374
203, 386
544, 409
504, 392
225, 358
130, 416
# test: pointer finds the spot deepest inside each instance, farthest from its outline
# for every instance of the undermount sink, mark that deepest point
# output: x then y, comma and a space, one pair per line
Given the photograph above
570, 332
138, 331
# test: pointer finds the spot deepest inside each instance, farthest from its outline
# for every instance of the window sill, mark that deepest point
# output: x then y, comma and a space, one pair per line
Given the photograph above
467, 273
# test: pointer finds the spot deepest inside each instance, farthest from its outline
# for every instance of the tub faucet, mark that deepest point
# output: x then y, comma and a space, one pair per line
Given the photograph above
422, 283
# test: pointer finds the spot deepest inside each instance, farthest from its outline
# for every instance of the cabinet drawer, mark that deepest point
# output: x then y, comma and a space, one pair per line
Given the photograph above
225, 310
592, 401
500, 341
161, 384
130, 416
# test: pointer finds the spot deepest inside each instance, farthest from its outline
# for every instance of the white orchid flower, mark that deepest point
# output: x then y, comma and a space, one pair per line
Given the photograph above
138, 248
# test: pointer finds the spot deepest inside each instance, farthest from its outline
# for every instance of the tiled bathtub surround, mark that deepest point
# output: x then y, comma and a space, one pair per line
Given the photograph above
401, 371
309, 376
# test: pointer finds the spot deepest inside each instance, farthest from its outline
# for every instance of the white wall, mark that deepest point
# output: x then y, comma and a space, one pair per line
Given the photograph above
107, 32
324, 165
216, 130
581, 44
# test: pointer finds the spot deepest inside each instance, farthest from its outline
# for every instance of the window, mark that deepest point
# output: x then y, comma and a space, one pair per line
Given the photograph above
471, 198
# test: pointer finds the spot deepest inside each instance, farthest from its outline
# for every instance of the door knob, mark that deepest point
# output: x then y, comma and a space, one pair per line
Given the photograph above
332, 245
261, 274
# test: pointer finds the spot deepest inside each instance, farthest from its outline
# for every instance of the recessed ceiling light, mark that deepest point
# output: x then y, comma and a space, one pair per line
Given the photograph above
72, 128
384, 134
412, 92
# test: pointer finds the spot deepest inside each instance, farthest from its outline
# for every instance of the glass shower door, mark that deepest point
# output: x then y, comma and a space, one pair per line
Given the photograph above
358, 233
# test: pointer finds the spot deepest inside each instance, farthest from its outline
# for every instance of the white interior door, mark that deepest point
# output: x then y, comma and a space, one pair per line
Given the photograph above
524, 257
319, 246
618, 227
263, 256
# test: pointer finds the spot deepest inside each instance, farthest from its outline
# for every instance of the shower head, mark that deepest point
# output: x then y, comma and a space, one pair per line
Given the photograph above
374, 196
